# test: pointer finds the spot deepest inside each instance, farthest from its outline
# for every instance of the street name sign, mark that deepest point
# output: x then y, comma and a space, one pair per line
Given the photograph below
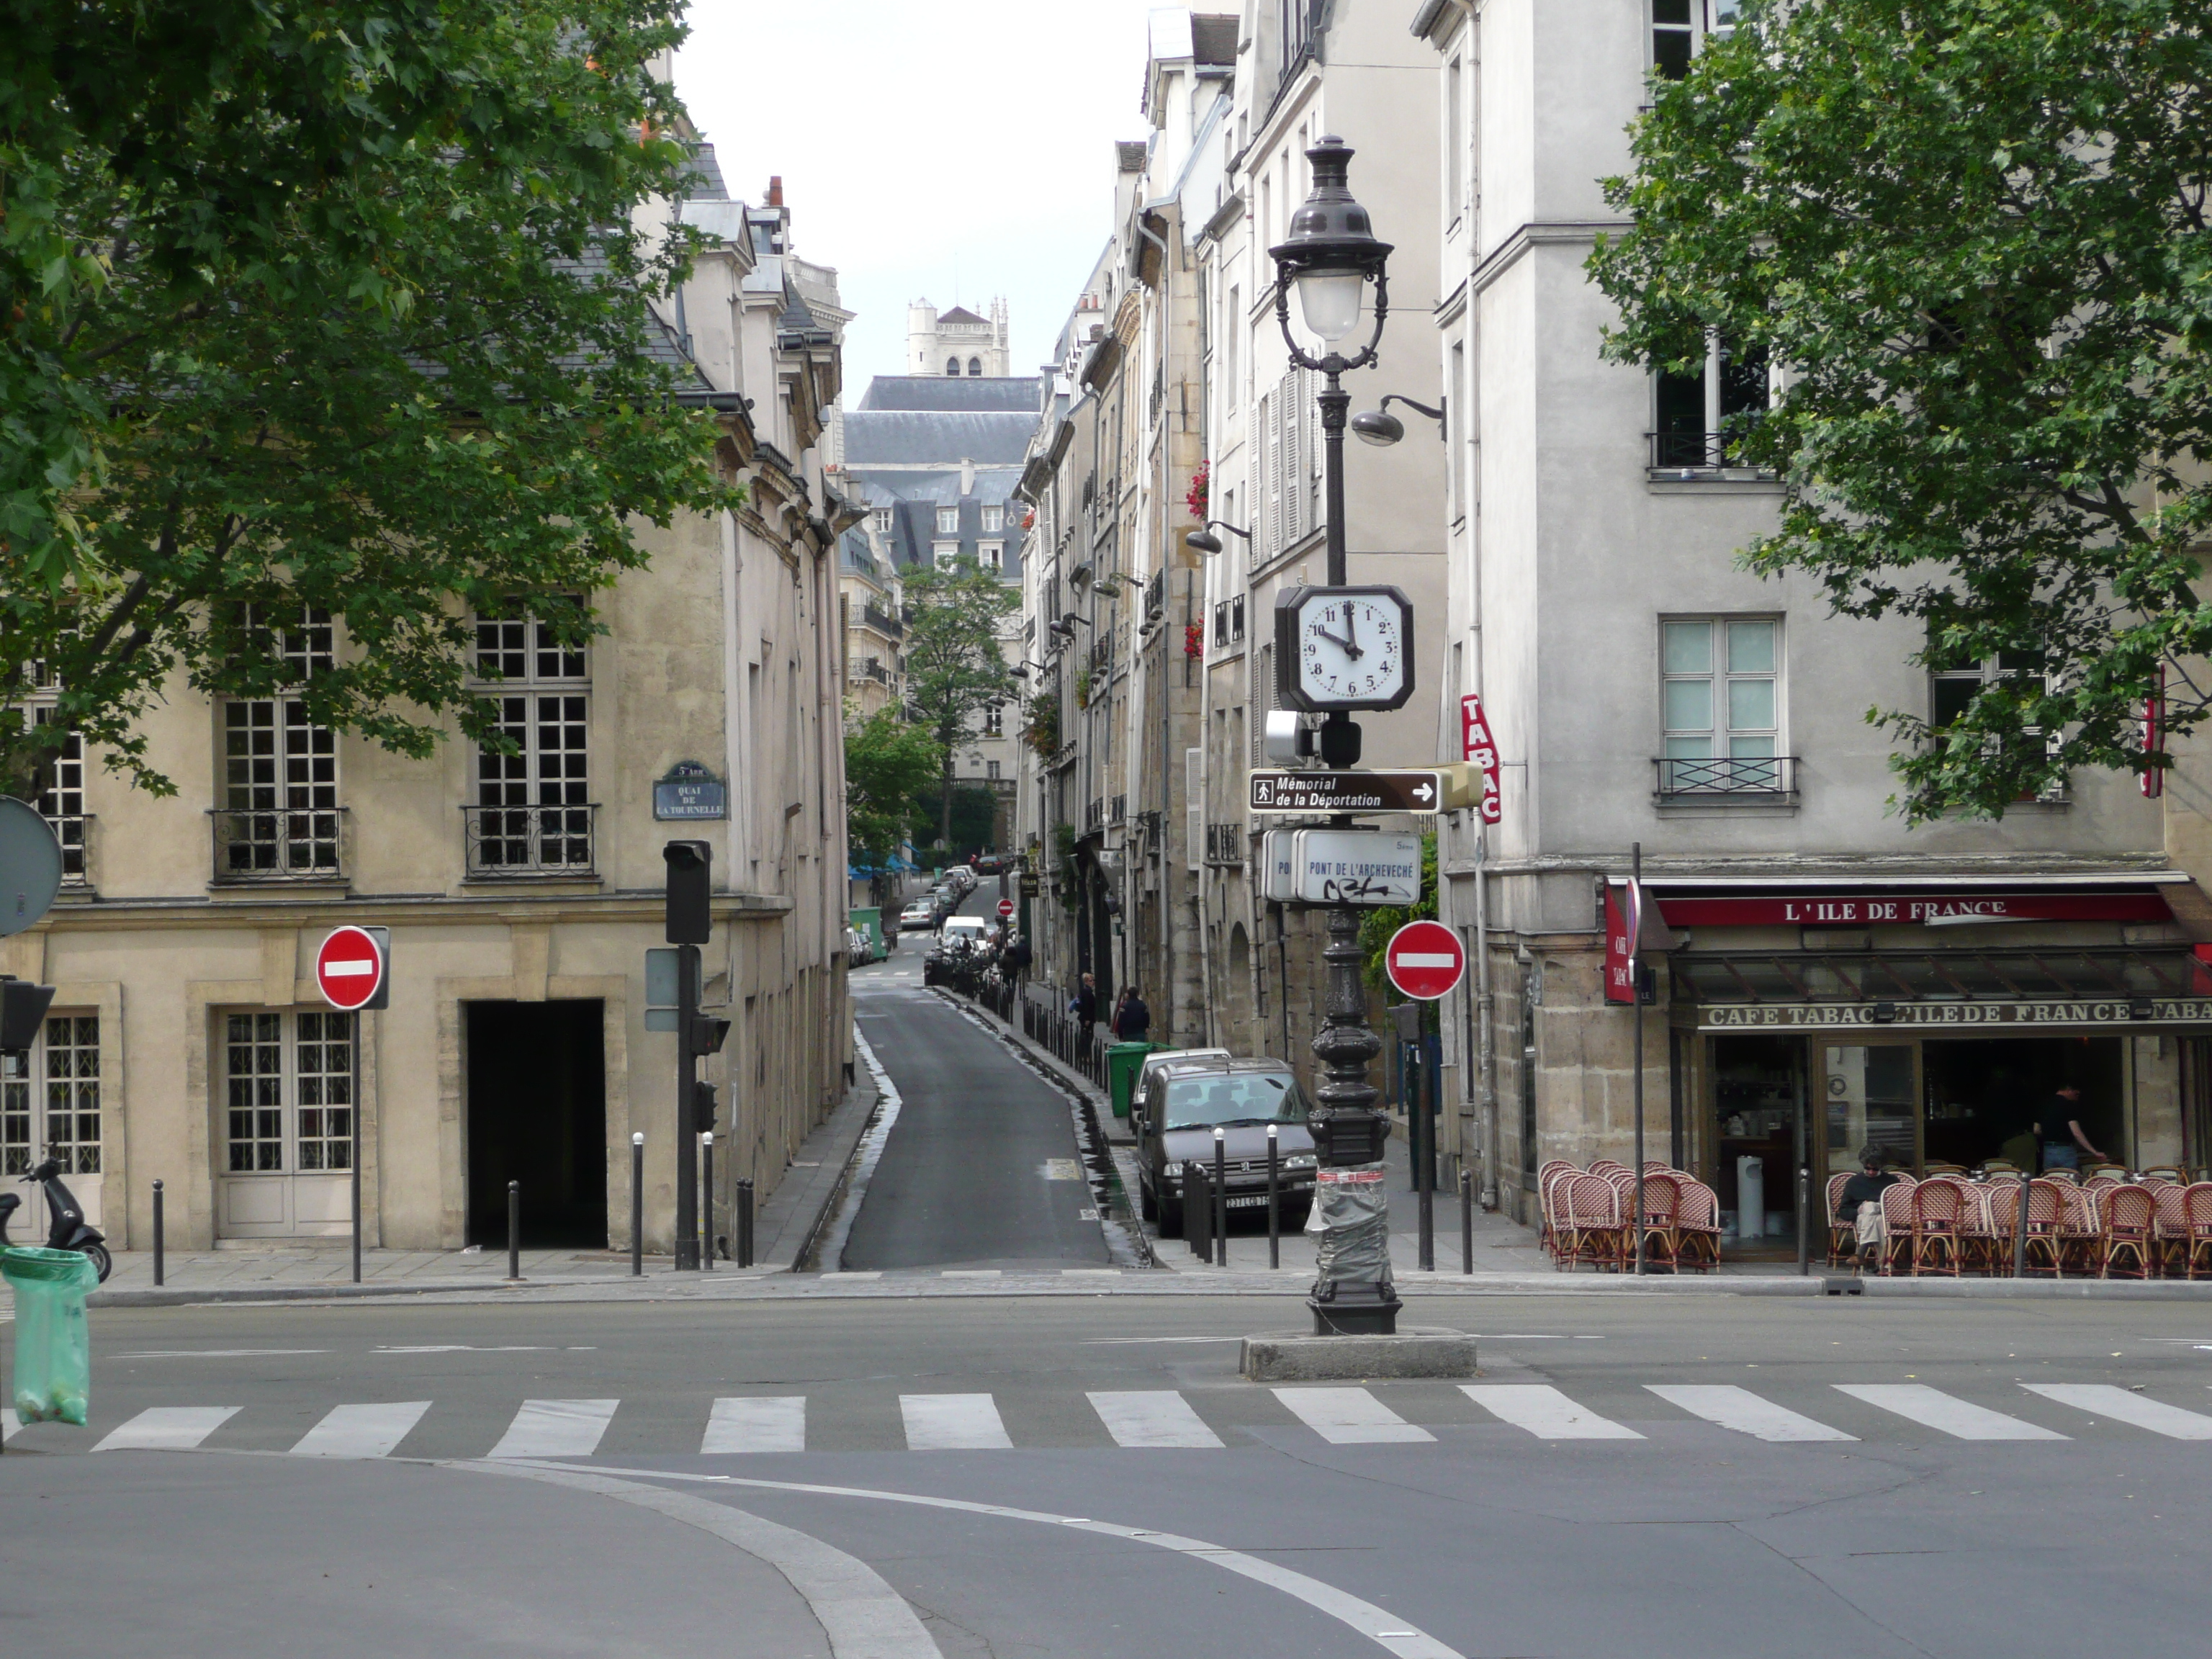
1425, 960
352, 967
1355, 867
1278, 791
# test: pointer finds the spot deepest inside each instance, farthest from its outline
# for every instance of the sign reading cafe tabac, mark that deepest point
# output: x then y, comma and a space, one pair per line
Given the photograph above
691, 791
1897, 1016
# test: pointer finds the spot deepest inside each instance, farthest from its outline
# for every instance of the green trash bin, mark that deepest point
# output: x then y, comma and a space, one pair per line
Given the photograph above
53, 1343
1124, 1061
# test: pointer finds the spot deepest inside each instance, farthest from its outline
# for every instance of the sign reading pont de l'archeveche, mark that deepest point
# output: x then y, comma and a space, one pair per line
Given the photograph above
691, 791
2106, 1010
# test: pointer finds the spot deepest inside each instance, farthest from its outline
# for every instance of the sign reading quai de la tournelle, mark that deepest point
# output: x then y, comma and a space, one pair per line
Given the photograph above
691, 791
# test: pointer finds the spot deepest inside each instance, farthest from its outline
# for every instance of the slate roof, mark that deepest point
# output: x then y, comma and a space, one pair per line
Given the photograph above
998, 394
917, 436
961, 314
1213, 39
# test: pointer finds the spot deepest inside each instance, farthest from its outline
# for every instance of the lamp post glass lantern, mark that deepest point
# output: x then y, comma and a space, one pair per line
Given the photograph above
1330, 256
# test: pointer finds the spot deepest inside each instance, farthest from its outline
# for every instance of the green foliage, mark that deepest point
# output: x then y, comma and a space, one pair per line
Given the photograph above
889, 764
1041, 712
331, 304
1376, 926
1972, 232
955, 668
974, 820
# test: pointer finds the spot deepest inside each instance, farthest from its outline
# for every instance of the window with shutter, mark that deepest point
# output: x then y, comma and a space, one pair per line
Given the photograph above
1194, 815
1288, 398
1271, 534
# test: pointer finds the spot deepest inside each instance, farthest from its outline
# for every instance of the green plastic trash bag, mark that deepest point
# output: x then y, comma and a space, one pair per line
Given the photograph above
53, 1343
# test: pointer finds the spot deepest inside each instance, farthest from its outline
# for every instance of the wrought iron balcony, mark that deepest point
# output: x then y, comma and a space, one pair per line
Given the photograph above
1156, 593
1224, 843
883, 622
1118, 812
1701, 452
1094, 816
1757, 778
276, 843
518, 842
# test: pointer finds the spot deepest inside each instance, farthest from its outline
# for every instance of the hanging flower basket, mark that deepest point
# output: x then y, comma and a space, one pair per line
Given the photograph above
1201, 491
1193, 639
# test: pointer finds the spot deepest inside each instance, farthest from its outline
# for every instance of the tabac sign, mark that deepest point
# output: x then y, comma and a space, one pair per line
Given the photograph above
1952, 1016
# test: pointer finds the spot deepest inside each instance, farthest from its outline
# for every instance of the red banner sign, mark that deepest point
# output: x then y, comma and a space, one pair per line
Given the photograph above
1861, 910
1619, 947
1477, 745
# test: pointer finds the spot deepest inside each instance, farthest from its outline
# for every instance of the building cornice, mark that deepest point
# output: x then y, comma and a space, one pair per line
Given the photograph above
1537, 233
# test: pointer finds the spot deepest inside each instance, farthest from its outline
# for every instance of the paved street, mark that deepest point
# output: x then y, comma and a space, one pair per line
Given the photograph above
1677, 1475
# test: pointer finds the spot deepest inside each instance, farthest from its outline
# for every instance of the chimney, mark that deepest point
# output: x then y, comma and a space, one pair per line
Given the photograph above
775, 190
967, 476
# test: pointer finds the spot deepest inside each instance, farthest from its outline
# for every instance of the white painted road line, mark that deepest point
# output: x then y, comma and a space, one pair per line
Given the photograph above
1947, 1413
2110, 1400
361, 1431
168, 1428
556, 1428
1348, 1416
953, 1422
1151, 1417
10, 1424
1744, 1412
1544, 1411
759, 1423
970, 1272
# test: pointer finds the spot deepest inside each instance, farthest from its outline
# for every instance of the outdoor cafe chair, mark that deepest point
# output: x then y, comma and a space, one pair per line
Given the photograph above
1897, 1215
2197, 1211
1698, 1226
1938, 1207
2129, 1248
1655, 1227
2046, 1213
1843, 1233
1589, 1222
2081, 1229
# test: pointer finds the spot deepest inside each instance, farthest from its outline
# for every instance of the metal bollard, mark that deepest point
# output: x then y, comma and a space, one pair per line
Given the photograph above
637, 1204
160, 1263
1274, 1200
745, 1221
514, 1232
1220, 1198
706, 1200
1197, 1211
1467, 1221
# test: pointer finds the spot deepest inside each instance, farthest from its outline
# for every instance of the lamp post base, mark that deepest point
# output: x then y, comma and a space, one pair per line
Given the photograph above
1342, 1309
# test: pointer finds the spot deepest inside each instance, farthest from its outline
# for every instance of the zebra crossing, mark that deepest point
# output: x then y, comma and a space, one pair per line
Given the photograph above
1167, 1419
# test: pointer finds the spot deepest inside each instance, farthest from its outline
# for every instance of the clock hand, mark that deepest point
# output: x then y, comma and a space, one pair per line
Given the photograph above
1346, 646
1349, 642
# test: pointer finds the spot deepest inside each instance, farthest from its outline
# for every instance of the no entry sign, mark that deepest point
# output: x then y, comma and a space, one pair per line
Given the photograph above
1005, 908
352, 968
1424, 960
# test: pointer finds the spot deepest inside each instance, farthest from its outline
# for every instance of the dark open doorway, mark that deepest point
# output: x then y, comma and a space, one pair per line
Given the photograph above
537, 1114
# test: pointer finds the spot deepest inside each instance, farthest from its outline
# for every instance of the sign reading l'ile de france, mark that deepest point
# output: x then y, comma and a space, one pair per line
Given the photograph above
691, 791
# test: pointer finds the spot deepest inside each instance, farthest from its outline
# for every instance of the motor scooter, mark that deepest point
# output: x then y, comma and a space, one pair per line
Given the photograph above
68, 1231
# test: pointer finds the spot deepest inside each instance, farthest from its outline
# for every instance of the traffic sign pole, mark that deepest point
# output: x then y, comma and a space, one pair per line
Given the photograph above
1005, 908
353, 970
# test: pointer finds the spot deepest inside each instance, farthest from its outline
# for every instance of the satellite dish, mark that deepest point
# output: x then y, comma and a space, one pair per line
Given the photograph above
30, 866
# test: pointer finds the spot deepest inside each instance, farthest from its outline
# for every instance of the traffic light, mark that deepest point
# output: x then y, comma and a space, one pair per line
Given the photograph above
702, 1107
22, 1009
708, 1034
690, 873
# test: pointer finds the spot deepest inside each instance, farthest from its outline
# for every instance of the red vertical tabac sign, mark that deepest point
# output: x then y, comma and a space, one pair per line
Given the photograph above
1619, 947
1476, 744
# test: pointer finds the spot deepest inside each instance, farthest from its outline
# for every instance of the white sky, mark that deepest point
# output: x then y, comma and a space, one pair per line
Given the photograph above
926, 142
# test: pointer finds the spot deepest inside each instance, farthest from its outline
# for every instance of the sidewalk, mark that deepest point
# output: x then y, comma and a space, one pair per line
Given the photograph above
782, 1228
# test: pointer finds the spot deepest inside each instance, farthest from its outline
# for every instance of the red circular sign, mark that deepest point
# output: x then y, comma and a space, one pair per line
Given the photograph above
1424, 960
1005, 906
349, 967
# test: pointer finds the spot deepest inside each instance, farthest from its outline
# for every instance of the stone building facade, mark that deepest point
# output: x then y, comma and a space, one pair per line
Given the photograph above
187, 1042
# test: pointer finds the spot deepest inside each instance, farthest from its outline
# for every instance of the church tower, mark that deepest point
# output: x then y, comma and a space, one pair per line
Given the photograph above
958, 342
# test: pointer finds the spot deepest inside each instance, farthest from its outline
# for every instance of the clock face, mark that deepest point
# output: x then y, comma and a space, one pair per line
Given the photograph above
1352, 648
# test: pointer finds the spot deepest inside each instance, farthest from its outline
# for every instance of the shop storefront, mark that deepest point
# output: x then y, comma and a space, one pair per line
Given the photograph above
1936, 1026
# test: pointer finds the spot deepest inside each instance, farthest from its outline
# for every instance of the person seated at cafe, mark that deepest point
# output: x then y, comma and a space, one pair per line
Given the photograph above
1860, 1203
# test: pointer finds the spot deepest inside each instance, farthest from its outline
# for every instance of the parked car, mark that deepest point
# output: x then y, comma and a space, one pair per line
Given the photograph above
918, 917
1159, 1062
859, 947
961, 879
989, 864
1183, 1106
963, 927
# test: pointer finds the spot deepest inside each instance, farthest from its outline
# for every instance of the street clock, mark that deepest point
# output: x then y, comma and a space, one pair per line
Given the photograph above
1343, 648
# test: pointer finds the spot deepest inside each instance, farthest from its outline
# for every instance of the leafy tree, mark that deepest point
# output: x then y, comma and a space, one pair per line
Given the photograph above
887, 765
1377, 924
955, 668
326, 305
1971, 233
974, 819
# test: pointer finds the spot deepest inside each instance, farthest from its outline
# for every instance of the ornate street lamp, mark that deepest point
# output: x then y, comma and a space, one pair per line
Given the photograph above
1330, 256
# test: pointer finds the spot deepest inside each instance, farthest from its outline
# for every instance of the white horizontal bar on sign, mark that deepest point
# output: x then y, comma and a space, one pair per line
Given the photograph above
1426, 959
347, 970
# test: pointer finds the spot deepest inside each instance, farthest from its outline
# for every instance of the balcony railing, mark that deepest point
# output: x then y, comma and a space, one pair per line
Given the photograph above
254, 843
1224, 843
1118, 812
1156, 593
870, 669
883, 622
1094, 816
530, 840
1702, 451
1734, 777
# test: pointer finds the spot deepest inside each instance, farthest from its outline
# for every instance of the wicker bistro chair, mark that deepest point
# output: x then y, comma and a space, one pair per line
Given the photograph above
2046, 1213
1897, 1213
2166, 1172
1938, 1210
2081, 1229
2196, 1212
2170, 1231
1842, 1235
1698, 1226
1658, 1226
2129, 1248
1548, 1176
1978, 1234
1589, 1222
2095, 1171
1605, 1166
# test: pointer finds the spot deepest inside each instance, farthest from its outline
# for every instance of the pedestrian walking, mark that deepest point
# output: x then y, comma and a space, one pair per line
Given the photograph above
1084, 1005
1131, 1019
2066, 1154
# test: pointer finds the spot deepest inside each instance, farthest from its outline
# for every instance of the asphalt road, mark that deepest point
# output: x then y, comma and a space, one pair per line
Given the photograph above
981, 1168
975, 1459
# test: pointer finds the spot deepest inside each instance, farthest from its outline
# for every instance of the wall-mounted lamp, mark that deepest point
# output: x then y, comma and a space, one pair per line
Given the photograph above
1207, 542
1379, 426
1065, 626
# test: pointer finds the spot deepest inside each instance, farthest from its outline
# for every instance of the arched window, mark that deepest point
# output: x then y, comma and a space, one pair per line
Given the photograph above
975, 366
952, 365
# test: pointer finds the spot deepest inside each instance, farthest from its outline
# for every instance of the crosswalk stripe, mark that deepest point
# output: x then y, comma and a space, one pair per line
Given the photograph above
361, 1431
556, 1428
1947, 1413
1151, 1417
2110, 1400
953, 1422
1349, 1417
757, 1424
1544, 1411
1744, 1412
167, 1428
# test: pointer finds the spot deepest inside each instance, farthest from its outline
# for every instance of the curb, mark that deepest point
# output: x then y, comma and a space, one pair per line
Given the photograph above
172, 1296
